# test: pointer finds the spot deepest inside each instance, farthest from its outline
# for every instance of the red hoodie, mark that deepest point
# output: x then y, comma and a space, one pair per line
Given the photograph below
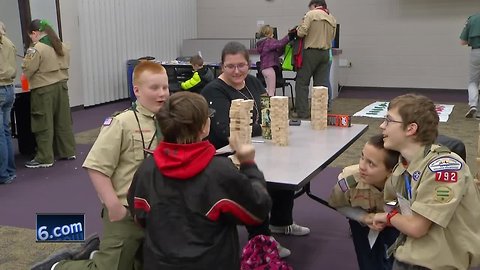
183, 161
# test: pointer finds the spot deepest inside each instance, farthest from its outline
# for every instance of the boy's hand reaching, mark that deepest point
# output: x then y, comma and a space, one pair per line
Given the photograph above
243, 152
379, 221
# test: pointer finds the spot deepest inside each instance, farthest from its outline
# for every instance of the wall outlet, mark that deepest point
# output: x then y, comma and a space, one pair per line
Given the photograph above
344, 63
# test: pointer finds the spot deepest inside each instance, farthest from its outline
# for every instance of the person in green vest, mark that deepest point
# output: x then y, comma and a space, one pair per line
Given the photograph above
471, 36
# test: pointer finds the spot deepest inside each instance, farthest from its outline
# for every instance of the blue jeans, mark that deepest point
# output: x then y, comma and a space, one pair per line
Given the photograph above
7, 160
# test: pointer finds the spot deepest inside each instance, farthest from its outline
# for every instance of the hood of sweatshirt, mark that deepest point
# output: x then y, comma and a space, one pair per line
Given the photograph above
183, 161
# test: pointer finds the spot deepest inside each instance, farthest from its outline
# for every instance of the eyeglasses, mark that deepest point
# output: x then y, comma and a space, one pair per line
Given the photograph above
387, 120
232, 67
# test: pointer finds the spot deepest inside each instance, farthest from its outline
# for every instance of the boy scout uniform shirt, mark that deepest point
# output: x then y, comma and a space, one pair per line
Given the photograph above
350, 191
318, 28
444, 192
8, 66
118, 150
43, 66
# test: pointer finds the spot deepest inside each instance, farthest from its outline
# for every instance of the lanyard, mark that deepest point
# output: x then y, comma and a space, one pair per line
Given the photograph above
145, 154
408, 186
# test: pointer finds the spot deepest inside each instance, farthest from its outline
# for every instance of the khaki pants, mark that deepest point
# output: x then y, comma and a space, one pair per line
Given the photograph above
52, 122
118, 247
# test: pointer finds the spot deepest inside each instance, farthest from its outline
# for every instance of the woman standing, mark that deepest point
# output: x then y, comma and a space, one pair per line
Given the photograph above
8, 70
46, 67
236, 83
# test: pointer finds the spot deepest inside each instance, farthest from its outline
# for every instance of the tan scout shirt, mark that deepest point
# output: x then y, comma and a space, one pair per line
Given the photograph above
8, 66
318, 29
356, 193
43, 66
444, 192
119, 150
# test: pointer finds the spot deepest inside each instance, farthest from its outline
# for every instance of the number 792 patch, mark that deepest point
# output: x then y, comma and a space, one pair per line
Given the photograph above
446, 176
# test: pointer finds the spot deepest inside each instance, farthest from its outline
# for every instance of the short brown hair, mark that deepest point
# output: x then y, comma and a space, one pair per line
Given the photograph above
421, 110
182, 117
196, 60
391, 156
235, 47
144, 66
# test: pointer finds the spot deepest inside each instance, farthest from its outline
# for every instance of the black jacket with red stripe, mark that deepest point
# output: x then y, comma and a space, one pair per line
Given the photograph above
190, 201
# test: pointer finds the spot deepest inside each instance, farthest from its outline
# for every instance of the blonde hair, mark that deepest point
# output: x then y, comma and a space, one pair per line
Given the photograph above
266, 31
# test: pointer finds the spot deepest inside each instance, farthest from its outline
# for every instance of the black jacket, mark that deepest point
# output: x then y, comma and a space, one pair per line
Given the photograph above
190, 201
219, 96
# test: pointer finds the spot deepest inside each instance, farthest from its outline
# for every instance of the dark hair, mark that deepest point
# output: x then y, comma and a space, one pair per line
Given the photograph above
196, 60
43, 26
182, 117
318, 3
234, 47
420, 110
391, 156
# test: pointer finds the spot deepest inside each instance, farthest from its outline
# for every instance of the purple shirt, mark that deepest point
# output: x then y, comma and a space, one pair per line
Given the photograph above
270, 50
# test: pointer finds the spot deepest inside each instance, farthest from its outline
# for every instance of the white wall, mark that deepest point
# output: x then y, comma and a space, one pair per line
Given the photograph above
113, 31
10, 16
70, 30
45, 10
390, 43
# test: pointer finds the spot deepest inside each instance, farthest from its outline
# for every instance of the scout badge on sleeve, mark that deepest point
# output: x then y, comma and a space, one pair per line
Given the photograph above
30, 53
107, 121
443, 194
445, 164
347, 183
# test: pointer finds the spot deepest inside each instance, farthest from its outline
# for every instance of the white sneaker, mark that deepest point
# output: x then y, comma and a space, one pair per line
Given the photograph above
471, 112
283, 252
293, 229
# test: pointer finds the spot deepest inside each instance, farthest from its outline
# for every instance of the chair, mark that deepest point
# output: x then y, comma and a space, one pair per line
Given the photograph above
279, 83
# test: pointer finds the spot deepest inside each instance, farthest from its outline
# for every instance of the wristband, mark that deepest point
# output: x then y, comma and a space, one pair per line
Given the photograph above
390, 215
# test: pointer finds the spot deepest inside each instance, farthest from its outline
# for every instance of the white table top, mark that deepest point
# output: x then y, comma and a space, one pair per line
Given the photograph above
308, 153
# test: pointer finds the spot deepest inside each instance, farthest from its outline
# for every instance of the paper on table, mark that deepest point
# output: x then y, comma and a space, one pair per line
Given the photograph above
372, 237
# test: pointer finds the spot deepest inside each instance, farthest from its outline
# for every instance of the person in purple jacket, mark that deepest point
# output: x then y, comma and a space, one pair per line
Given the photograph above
270, 50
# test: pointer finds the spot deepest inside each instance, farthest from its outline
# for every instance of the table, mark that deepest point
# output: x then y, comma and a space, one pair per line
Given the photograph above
309, 151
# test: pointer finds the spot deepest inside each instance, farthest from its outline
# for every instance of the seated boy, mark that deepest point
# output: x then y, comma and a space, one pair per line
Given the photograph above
436, 193
190, 201
201, 76
359, 195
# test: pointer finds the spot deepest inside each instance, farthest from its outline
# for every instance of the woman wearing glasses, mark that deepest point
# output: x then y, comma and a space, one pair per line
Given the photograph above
236, 83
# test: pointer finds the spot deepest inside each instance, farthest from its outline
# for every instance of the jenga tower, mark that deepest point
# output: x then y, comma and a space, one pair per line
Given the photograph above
279, 117
241, 120
319, 107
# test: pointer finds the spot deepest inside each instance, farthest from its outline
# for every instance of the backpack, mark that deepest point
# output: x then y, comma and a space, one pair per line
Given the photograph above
261, 253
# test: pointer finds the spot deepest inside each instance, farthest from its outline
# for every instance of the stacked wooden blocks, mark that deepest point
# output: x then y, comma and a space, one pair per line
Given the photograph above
319, 107
279, 117
241, 120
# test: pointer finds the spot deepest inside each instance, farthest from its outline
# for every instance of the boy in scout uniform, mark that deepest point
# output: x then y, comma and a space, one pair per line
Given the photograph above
8, 70
434, 190
46, 67
123, 143
358, 195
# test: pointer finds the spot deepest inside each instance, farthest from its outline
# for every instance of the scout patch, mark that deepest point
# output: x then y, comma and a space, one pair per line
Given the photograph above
347, 183
416, 175
107, 121
445, 164
30, 53
443, 194
447, 177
